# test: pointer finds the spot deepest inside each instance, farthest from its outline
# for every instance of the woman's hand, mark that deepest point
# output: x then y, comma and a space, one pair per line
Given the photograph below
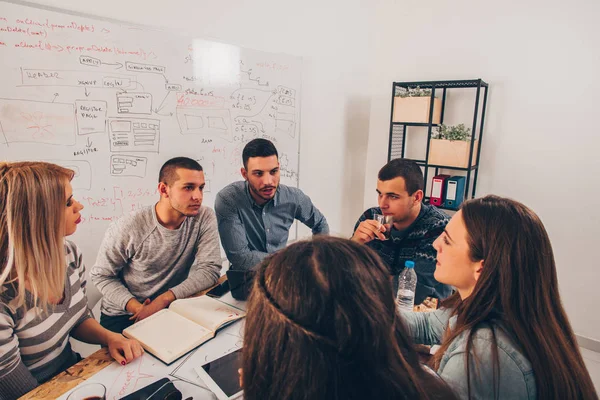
124, 350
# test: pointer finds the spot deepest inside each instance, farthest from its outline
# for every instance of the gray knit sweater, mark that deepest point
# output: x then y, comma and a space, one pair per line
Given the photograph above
141, 258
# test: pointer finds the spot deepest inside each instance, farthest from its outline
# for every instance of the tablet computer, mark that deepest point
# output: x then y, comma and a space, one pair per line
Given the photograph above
221, 375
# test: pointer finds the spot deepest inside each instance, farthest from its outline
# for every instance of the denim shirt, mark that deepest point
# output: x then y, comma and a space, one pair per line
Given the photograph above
516, 380
250, 232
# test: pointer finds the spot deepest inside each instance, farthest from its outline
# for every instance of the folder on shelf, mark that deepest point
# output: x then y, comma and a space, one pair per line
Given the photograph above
455, 192
438, 189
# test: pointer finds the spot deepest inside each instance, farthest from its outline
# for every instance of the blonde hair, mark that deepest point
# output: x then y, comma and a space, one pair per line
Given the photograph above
32, 229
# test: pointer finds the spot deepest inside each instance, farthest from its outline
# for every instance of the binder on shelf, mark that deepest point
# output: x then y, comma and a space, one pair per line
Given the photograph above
438, 189
455, 192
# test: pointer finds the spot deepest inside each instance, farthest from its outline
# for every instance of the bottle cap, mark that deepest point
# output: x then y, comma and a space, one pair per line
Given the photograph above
409, 264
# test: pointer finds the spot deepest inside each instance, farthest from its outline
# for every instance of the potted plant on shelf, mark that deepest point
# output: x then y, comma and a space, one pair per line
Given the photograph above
450, 146
412, 105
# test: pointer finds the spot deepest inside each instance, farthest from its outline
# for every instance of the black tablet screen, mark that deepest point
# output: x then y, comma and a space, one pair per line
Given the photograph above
224, 371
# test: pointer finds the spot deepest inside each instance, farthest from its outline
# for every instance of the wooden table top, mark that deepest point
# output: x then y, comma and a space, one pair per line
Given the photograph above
72, 377
99, 360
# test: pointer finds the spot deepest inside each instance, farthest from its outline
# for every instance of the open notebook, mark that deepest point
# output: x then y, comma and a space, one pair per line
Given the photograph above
185, 325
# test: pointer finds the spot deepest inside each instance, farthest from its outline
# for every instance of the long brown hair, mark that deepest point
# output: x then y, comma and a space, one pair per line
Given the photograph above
322, 324
518, 292
32, 229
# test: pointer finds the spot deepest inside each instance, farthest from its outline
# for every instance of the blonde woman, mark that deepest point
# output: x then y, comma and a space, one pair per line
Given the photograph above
42, 280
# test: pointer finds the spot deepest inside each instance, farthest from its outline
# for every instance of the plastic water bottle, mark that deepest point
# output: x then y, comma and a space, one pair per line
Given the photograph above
407, 285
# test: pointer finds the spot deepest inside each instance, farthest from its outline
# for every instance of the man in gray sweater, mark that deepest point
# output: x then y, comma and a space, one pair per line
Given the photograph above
160, 253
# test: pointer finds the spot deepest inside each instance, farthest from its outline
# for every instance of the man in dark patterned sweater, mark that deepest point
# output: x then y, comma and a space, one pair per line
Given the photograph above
415, 226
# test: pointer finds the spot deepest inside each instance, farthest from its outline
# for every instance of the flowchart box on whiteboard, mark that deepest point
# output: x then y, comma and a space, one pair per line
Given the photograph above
87, 79
134, 103
205, 122
125, 165
83, 172
91, 116
29, 121
134, 134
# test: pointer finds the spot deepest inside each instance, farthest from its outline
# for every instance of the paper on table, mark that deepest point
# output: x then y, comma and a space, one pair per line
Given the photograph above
226, 341
123, 380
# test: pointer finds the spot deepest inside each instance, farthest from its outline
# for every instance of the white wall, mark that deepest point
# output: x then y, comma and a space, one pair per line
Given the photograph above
541, 136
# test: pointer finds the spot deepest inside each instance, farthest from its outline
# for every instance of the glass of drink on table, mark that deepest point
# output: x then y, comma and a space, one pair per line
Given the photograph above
90, 391
385, 221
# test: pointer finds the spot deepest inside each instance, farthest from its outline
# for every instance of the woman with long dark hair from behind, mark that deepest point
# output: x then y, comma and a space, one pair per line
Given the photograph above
321, 324
504, 334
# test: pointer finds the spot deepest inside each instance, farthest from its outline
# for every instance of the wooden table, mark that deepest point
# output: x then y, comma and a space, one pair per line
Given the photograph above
99, 360
81, 371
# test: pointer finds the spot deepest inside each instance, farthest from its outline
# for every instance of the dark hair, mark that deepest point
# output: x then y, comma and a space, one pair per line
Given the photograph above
258, 148
322, 324
518, 292
168, 172
407, 169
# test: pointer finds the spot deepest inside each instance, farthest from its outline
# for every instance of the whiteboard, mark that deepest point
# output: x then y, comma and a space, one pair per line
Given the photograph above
114, 102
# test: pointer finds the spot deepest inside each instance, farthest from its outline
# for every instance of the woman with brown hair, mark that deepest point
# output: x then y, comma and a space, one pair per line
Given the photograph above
321, 324
42, 280
504, 334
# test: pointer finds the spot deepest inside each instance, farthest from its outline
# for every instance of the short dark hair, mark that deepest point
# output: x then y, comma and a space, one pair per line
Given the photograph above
407, 169
258, 148
168, 172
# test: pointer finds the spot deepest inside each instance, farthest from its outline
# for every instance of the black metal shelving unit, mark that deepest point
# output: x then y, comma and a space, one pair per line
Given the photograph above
397, 139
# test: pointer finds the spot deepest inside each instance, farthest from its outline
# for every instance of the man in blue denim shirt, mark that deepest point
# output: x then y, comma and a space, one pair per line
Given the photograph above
415, 227
254, 216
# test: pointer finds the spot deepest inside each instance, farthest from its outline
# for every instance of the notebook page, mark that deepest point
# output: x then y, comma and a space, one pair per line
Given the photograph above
206, 311
168, 335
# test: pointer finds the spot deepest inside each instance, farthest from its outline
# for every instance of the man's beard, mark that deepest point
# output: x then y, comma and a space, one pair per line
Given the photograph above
259, 193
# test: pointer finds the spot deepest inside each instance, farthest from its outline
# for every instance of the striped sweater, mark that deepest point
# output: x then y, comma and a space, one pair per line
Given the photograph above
34, 348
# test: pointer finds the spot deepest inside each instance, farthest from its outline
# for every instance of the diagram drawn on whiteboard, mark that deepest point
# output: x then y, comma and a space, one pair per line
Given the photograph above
30, 121
134, 134
125, 165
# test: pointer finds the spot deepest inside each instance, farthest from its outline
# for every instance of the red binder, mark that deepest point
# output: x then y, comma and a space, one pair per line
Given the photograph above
438, 189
